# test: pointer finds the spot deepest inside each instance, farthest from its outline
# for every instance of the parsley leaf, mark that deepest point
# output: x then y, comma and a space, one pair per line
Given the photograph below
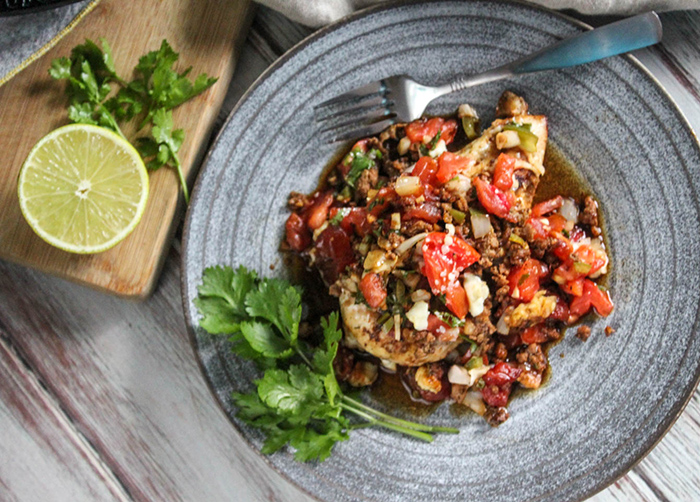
298, 400
263, 339
361, 162
156, 89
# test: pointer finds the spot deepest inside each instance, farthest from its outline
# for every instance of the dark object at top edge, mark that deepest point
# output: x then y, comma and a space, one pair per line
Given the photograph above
18, 7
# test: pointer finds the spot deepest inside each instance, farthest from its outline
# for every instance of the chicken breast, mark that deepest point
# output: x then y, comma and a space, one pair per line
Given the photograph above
415, 347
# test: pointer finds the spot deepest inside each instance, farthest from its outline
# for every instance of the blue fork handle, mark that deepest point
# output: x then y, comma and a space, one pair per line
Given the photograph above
610, 40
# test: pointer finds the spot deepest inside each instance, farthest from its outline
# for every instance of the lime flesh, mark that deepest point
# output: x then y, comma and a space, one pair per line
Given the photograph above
83, 188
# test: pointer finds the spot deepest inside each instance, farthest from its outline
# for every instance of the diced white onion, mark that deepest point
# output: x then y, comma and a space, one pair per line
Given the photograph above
459, 184
450, 228
418, 315
410, 242
475, 401
481, 225
407, 185
403, 146
462, 376
599, 248
374, 259
501, 325
420, 295
377, 262
396, 221
477, 293
458, 375
390, 365
438, 150
507, 139
466, 110
569, 210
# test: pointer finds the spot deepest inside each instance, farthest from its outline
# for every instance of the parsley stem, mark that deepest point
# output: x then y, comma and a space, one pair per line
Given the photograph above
398, 421
394, 427
181, 176
113, 122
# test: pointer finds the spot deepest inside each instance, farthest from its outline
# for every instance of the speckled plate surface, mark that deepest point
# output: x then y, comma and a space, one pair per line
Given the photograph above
609, 400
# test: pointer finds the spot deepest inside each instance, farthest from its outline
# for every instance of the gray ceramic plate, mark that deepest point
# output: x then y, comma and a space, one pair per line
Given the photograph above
610, 400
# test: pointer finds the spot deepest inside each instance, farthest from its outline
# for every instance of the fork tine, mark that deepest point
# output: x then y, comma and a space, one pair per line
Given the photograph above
366, 91
345, 133
357, 117
334, 111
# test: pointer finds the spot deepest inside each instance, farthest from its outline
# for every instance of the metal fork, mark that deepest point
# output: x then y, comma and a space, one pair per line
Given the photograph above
370, 109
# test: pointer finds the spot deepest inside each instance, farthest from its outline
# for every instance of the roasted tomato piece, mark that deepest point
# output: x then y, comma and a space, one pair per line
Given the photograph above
524, 281
585, 261
534, 334
450, 165
298, 234
426, 212
574, 288
426, 168
333, 253
540, 228
563, 249
354, 220
317, 212
561, 311
420, 130
498, 383
373, 290
503, 172
443, 264
456, 300
381, 201
557, 223
592, 296
547, 206
495, 201
436, 325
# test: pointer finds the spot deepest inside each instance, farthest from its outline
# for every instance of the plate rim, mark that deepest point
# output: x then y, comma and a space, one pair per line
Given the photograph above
650, 442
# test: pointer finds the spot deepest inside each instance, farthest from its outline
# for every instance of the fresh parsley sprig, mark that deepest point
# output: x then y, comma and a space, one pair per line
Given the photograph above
298, 400
154, 91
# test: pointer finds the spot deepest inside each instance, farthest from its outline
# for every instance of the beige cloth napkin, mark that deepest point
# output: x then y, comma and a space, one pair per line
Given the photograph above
320, 12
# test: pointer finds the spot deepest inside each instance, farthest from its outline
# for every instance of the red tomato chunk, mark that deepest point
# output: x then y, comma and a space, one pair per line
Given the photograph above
498, 383
373, 290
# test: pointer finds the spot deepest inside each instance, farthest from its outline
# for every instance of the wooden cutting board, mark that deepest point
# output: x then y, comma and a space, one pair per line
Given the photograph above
206, 34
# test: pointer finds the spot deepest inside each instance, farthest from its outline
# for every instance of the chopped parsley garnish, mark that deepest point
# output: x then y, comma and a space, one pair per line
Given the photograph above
450, 319
298, 400
361, 162
434, 141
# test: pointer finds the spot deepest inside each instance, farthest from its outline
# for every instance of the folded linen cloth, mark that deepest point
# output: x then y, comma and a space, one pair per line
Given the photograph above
25, 38
320, 12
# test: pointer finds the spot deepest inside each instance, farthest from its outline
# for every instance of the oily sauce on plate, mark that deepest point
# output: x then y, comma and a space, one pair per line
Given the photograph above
389, 390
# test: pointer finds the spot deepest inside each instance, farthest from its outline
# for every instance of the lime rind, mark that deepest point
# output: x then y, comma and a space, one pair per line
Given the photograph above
64, 161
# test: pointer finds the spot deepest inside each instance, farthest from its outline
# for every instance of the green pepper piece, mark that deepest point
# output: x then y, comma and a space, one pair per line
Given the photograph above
528, 140
581, 267
471, 126
458, 215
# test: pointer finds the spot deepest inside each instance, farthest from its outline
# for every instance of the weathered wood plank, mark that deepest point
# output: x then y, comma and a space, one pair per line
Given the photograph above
45, 457
126, 375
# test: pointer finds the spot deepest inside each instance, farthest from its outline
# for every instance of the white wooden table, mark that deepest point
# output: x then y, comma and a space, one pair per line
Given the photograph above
102, 399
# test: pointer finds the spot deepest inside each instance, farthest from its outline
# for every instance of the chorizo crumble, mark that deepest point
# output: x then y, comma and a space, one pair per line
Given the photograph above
444, 268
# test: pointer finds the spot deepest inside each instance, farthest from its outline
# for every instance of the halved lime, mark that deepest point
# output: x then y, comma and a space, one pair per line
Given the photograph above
83, 188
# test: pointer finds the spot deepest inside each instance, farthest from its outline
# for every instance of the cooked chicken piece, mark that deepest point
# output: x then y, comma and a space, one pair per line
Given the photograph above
533, 312
413, 348
510, 104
